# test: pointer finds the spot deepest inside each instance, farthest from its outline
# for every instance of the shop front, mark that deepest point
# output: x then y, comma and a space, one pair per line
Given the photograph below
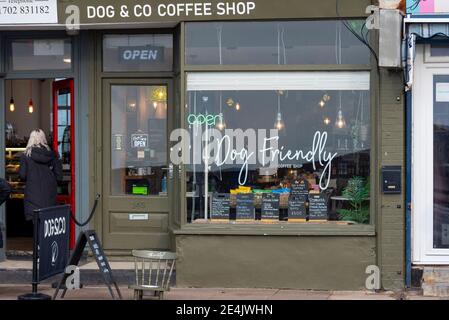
249, 137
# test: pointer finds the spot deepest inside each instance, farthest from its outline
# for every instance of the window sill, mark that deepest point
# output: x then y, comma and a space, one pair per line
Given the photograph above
277, 229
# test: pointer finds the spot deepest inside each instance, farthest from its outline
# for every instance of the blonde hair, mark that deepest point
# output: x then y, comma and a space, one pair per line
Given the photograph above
37, 139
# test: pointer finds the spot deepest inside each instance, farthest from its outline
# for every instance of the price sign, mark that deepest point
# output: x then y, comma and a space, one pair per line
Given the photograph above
220, 206
245, 206
270, 206
318, 207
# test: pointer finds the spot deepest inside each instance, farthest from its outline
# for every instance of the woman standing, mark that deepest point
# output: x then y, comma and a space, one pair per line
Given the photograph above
41, 169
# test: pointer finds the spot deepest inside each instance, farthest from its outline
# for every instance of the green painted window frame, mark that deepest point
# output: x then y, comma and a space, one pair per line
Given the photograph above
305, 229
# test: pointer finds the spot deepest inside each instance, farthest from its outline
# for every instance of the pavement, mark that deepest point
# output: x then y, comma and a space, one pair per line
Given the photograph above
10, 292
15, 278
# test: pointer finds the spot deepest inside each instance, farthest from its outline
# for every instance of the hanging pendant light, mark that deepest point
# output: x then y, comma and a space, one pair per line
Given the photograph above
12, 105
221, 124
30, 103
340, 122
30, 106
279, 123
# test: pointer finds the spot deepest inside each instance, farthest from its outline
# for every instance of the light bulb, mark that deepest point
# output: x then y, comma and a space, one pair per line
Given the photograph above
279, 123
237, 106
155, 105
12, 106
340, 122
327, 121
322, 104
221, 124
30, 106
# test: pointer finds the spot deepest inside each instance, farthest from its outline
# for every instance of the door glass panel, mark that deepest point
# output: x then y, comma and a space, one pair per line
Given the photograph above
138, 140
441, 162
63, 136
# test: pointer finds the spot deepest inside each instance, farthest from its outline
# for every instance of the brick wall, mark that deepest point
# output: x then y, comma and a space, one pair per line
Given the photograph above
391, 208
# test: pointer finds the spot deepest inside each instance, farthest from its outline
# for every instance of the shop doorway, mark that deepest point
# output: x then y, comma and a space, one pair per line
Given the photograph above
138, 181
47, 104
430, 157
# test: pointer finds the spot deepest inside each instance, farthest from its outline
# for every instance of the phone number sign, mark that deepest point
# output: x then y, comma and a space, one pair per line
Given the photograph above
28, 12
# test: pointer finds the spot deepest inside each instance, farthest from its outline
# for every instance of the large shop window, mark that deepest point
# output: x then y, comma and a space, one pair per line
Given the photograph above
270, 43
41, 54
278, 147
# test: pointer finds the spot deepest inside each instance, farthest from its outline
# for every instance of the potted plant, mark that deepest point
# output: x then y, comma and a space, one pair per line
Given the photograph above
357, 193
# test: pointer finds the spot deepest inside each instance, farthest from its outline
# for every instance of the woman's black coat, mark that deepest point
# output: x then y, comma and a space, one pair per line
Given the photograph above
41, 171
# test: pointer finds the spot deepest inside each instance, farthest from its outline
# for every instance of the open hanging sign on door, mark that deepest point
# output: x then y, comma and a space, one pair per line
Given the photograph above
139, 140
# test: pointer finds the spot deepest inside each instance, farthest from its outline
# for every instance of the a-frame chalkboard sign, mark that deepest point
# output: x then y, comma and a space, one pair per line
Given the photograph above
90, 237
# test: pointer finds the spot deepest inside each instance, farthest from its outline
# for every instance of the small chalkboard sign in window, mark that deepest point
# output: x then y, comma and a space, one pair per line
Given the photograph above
300, 189
318, 206
245, 206
296, 208
270, 206
220, 206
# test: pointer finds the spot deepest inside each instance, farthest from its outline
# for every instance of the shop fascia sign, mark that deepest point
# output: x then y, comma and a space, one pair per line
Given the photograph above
132, 11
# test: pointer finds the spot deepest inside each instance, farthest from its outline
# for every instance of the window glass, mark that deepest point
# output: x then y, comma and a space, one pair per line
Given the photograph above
285, 147
293, 42
139, 52
440, 162
439, 50
139, 140
41, 54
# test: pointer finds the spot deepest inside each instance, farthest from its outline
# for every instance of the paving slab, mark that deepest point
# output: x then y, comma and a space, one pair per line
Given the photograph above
360, 295
301, 295
244, 294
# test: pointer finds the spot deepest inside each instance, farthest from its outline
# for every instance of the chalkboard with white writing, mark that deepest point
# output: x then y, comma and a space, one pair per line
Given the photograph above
245, 206
300, 189
318, 208
220, 206
270, 206
296, 208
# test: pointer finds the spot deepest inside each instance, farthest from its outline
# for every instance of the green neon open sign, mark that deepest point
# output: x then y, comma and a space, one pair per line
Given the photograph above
200, 119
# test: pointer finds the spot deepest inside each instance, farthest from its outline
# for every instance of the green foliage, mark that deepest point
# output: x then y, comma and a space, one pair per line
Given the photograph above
357, 192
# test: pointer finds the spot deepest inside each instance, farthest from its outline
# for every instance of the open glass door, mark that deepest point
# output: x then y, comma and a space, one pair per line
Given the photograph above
64, 143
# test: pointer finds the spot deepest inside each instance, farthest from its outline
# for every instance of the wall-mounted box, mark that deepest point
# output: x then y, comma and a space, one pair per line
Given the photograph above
391, 179
390, 36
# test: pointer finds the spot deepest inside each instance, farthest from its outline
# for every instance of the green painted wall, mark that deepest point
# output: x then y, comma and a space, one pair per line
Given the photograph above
274, 262
391, 208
